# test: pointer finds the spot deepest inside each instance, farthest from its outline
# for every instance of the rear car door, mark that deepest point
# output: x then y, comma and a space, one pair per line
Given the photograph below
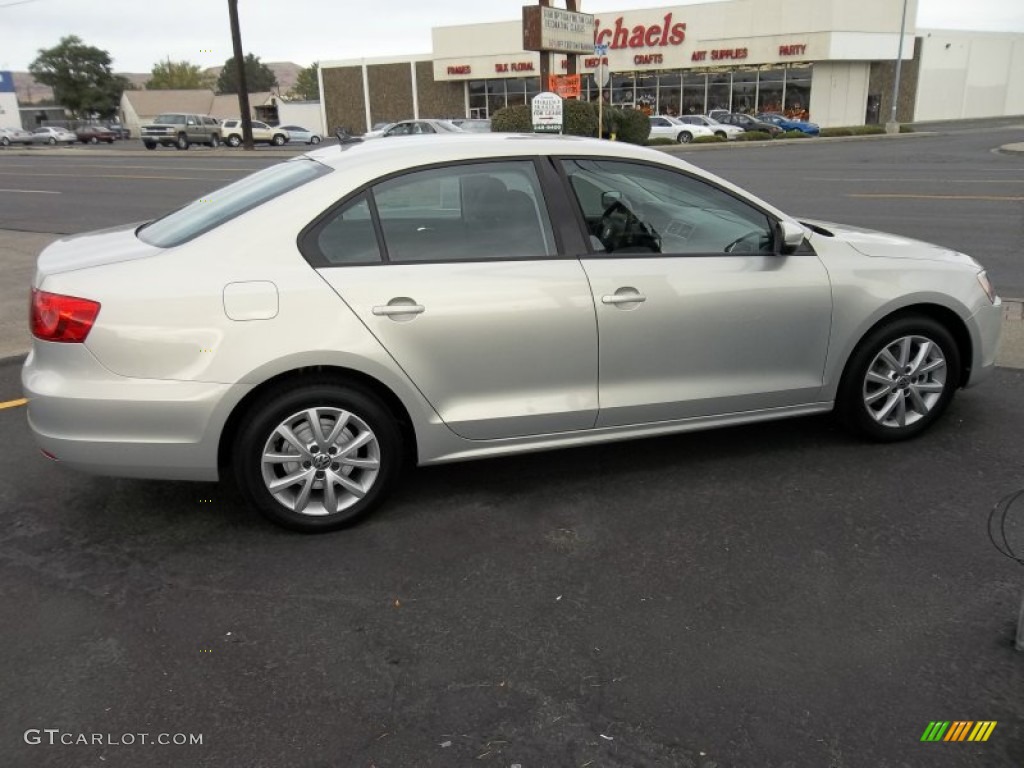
698, 314
457, 271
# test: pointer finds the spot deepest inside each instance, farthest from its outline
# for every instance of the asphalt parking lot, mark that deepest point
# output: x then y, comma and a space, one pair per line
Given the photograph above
778, 595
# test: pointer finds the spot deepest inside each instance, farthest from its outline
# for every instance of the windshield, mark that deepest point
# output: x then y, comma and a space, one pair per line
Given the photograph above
224, 204
444, 125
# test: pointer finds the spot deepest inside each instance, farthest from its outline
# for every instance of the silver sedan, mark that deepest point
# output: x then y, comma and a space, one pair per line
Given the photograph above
314, 327
53, 136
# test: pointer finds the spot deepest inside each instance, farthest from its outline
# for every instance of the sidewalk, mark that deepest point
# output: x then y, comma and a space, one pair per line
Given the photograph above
18, 252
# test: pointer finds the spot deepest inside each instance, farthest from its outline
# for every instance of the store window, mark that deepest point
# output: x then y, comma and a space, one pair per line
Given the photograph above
477, 98
769, 90
623, 91
798, 93
670, 95
744, 91
495, 96
719, 87
646, 93
515, 88
695, 91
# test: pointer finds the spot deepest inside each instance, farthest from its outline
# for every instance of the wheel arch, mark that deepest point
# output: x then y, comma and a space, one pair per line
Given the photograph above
295, 377
943, 315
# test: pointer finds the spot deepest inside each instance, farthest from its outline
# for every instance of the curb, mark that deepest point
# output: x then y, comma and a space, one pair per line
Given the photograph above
141, 152
672, 149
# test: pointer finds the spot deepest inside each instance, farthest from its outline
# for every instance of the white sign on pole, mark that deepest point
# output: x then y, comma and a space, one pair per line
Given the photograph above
547, 112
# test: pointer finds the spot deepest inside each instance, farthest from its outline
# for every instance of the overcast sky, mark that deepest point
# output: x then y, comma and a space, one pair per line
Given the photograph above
137, 33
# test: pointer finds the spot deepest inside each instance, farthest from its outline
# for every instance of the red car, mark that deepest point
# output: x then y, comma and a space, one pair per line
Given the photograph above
94, 134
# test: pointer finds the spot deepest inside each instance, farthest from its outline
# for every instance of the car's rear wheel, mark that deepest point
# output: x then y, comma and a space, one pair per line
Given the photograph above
52, 140
182, 141
5, 141
278, 140
314, 140
684, 137
900, 379
93, 140
234, 140
317, 457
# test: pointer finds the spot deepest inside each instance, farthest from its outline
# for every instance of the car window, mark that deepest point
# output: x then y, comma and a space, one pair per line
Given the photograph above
347, 236
230, 201
169, 120
467, 212
659, 121
399, 129
638, 208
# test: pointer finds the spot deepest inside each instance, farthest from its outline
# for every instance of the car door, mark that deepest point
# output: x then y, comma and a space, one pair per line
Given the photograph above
662, 128
456, 270
698, 314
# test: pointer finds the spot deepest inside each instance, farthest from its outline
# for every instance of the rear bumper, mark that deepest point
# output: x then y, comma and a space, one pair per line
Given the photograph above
96, 421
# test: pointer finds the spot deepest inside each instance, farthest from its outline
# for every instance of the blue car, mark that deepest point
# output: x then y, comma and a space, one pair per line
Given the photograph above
787, 124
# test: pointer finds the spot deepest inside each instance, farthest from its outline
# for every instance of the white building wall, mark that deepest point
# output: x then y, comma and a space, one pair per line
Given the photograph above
970, 74
839, 93
305, 113
10, 117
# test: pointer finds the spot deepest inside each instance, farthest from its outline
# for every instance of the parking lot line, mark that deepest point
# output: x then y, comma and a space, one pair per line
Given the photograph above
31, 191
13, 403
1008, 198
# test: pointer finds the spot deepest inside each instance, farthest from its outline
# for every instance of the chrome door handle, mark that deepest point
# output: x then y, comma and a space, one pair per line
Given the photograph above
624, 298
398, 309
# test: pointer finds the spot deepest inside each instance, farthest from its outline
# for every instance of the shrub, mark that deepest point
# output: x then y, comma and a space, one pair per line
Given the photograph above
867, 130
794, 135
661, 141
906, 129
580, 118
516, 119
707, 140
754, 136
630, 125
837, 132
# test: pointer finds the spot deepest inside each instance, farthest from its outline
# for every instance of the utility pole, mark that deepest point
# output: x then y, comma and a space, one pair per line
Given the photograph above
892, 126
243, 86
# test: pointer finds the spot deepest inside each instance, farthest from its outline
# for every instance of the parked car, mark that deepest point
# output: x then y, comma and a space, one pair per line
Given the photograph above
120, 130
181, 130
716, 114
314, 326
299, 134
10, 136
377, 130
52, 135
416, 128
748, 123
722, 130
665, 127
788, 124
473, 125
94, 134
231, 132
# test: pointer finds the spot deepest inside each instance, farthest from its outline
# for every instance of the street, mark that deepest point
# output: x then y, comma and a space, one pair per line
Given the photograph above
780, 595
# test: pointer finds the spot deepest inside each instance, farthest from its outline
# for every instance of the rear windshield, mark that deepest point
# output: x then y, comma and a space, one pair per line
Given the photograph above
224, 204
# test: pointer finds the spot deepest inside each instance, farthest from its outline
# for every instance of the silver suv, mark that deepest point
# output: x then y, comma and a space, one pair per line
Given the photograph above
181, 130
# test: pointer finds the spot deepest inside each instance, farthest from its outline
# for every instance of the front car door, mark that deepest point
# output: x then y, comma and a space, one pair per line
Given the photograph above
456, 271
698, 313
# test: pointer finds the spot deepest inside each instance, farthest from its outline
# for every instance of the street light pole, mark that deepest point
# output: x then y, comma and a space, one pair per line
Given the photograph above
892, 126
243, 86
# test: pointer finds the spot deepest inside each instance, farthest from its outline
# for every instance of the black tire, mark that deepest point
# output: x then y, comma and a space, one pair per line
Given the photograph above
52, 141
314, 140
93, 140
182, 141
149, 144
684, 137
289, 406
234, 140
924, 393
279, 140
721, 134
5, 141
214, 141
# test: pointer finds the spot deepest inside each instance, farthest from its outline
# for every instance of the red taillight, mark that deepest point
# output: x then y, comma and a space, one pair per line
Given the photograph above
61, 318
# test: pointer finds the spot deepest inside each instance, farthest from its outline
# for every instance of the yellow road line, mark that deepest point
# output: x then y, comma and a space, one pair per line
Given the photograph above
13, 403
936, 197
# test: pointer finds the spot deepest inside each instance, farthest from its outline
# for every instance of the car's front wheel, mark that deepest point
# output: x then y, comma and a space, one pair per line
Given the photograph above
149, 144
900, 379
684, 137
52, 140
279, 140
314, 140
234, 140
317, 457
5, 141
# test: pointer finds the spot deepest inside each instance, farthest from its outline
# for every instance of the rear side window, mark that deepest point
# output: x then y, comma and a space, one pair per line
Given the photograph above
224, 204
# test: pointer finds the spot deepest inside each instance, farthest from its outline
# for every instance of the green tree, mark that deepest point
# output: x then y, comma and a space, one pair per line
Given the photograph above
80, 76
307, 84
258, 76
175, 75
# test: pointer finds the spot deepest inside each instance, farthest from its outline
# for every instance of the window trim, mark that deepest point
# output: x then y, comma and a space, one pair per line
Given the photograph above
559, 163
306, 239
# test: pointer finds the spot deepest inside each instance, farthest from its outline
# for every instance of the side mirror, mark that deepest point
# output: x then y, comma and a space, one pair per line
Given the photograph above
791, 235
608, 199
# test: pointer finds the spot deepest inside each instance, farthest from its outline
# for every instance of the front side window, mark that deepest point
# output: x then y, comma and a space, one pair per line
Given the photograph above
636, 208
226, 203
467, 212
